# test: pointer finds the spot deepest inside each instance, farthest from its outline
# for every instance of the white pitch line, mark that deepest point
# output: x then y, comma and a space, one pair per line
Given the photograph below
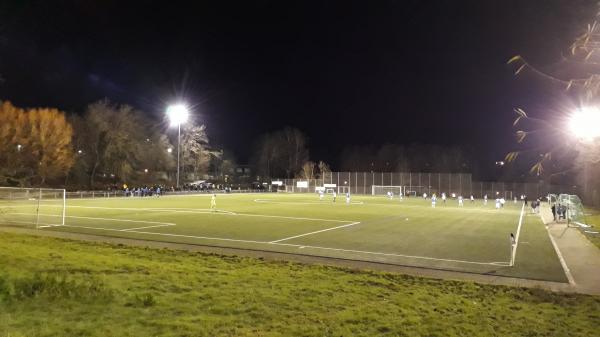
316, 232
170, 234
45, 225
161, 209
159, 224
563, 263
298, 246
201, 211
95, 218
291, 217
395, 255
514, 252
441, 207
325, 202
131, 229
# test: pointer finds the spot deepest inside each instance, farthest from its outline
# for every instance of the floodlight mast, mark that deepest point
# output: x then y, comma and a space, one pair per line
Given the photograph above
178, 114
584, 123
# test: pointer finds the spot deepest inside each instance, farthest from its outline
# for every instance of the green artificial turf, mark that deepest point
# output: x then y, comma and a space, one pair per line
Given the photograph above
473, 238
54, 287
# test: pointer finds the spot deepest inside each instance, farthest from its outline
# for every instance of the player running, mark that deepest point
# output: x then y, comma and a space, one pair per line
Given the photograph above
472, 199
460, 201
485, 200
444, 197
334, 196
321, 195
348, 198
213, 203
433, 200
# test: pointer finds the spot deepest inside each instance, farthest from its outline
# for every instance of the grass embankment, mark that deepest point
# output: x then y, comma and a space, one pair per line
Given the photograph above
594, 219
54, 287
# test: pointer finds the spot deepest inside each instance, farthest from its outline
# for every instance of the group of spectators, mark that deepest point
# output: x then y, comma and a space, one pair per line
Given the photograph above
145, 191
559, 211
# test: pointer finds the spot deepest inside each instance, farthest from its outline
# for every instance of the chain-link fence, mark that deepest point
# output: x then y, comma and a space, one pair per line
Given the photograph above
418, 183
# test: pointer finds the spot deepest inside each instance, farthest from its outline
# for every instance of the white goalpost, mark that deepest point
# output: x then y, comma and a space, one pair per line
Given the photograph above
34, 207
383, 190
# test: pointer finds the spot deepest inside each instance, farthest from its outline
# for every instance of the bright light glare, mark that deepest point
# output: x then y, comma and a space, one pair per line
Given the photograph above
178, 114
585, 123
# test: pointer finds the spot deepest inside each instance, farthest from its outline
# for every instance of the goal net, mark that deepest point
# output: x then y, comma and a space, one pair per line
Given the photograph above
573, 207
32, 207
383, 190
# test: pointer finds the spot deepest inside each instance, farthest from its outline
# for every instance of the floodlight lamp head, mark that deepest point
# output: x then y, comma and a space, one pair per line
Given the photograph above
178, 114
585, 123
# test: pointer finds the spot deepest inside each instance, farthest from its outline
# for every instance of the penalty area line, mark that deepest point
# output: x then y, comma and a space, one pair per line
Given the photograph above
316, 232
294, 245
205, 211
158, 224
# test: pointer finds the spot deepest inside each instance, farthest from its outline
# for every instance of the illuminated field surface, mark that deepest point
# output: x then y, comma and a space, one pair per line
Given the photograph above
473, 238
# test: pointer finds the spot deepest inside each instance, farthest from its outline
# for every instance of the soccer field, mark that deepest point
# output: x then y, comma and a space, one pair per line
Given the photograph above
473, 238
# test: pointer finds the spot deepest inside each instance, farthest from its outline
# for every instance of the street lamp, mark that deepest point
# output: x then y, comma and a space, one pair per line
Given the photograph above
584, 123
178, 114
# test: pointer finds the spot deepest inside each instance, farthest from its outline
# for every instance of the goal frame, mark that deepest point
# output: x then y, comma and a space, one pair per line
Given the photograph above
397, 189
39, 193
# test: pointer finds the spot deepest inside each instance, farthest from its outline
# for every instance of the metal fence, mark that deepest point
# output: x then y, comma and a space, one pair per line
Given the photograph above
419, 183
122, 194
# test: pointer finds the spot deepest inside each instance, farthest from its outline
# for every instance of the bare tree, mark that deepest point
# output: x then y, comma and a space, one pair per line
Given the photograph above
323, 168
309, 170
281, 153
119, 142
195, 150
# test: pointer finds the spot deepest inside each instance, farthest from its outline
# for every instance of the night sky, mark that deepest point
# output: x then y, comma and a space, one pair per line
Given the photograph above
344, 72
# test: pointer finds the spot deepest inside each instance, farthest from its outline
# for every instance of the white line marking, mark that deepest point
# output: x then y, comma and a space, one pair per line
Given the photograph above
316, 232
160, 209
514, 251
295, 245
165, 225
441, 207
324, 202
202, 211
159, 224
44, 225
563, 263
170, 234
292, 217
395, 255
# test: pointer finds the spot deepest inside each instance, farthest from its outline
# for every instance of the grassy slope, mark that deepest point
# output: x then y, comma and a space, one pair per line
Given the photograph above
594, 219
52, 287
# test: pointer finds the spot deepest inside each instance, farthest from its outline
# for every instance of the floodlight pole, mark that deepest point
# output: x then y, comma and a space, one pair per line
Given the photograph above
178, 146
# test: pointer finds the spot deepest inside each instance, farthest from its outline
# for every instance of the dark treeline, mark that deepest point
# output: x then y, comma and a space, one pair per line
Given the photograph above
406, 158
106, 145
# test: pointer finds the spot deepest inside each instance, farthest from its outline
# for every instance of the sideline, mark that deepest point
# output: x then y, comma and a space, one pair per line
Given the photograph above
514, 251
563, 263
427, 272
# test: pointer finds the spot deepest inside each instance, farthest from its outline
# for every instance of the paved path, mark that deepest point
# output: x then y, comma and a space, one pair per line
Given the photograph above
580, 258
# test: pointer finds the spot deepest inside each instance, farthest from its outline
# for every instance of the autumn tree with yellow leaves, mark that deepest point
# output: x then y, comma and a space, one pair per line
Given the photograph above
35, 145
